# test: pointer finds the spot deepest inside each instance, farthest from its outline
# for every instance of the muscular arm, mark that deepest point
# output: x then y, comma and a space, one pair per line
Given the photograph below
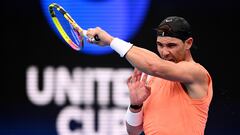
152, 64
148, 61
192, 76
187, 73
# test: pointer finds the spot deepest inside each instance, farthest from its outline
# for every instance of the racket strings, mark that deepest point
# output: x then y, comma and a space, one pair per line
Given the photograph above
67, 27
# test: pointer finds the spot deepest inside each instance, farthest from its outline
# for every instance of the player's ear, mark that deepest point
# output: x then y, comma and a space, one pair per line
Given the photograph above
188, 42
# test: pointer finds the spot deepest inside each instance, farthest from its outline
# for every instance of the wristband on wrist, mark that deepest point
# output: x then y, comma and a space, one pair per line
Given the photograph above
134, 119
120, 46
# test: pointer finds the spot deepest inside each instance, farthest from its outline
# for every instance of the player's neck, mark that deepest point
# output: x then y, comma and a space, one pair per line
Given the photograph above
189, 57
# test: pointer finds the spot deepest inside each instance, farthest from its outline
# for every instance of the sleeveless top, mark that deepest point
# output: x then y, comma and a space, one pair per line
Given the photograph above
170, 111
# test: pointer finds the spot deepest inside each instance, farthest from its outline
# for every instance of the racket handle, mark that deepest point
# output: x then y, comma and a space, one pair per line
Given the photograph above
95, 39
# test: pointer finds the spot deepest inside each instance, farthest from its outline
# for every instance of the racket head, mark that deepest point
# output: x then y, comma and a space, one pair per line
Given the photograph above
70, 31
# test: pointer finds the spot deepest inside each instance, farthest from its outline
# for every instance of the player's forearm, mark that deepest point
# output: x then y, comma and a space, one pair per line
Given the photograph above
144, 60
141, 58
134, 130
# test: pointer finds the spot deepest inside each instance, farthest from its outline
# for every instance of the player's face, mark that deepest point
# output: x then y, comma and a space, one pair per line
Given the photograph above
171, 49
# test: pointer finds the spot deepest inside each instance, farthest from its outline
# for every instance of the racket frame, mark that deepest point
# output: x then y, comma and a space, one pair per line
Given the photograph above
59, 27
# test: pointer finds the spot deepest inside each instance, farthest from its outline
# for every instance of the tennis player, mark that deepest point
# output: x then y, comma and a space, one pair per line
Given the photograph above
176, 99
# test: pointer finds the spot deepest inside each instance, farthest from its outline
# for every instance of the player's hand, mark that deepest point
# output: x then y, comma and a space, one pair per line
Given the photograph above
105, 38
139, 91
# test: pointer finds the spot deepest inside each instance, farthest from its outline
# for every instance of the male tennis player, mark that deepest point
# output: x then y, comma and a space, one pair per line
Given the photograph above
176, 99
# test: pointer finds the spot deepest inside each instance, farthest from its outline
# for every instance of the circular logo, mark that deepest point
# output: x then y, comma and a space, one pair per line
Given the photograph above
120, 18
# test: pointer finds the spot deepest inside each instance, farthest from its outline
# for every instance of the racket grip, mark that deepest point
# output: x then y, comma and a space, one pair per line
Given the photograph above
96, 38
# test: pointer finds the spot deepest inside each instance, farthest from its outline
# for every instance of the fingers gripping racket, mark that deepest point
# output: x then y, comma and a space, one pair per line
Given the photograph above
70, 31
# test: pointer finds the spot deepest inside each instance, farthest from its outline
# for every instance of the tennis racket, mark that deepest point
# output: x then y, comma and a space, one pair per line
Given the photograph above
70, 31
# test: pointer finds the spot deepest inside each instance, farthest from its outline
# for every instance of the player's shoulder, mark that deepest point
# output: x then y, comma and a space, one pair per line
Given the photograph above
192, 64
196, 68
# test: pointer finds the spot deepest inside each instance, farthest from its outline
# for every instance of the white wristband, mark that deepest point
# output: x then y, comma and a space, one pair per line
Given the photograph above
120, 46
134, 119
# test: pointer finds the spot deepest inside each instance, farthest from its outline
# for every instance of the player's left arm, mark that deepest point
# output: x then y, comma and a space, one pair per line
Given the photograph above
191, 74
